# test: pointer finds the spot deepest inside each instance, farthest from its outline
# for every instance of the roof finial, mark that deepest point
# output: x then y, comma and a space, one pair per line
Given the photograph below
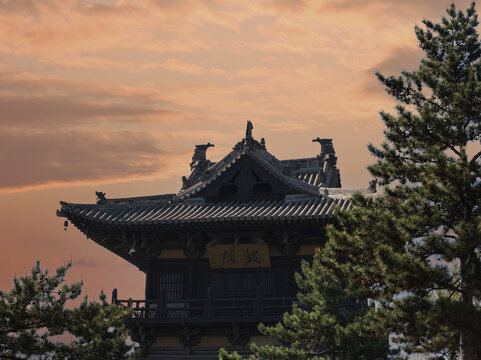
249, 130
101, 199
200, 151
263, 143
326, 145
200, 154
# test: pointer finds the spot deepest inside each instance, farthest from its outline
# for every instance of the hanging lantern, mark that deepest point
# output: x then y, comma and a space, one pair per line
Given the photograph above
65, 225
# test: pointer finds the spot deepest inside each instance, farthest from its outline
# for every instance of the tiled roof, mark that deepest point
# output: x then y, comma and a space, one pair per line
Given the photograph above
328, 179
195, 210
318, 171
308, 188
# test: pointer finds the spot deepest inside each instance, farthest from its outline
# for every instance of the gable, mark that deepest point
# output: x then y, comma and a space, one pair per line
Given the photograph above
245, 180
248, 171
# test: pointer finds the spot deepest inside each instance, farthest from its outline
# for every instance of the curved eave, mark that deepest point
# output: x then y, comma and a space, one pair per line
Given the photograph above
313, 210
113, 244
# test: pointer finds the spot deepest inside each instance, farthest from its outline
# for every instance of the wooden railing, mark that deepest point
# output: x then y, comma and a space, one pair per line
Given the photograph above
257, 309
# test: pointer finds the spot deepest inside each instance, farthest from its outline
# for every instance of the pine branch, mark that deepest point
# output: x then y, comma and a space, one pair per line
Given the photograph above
474, 159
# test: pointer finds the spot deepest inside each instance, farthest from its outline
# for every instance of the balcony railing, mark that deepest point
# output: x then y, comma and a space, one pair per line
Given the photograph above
257, 309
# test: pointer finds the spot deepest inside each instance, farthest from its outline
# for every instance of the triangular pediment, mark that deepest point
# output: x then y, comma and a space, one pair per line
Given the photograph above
245, 173
245, 180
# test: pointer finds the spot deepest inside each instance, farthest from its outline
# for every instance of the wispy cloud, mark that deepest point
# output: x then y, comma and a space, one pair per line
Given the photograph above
400, 59
31, 101
85, 263
185, 67
34, 158
31, 111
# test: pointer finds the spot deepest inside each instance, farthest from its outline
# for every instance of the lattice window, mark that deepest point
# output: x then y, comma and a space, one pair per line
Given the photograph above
229, 284
173, 285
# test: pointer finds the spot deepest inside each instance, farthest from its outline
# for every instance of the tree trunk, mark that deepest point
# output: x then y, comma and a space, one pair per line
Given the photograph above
466, 346
466, 340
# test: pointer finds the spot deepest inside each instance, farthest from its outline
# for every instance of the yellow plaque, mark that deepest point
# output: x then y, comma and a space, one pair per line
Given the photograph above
238, 256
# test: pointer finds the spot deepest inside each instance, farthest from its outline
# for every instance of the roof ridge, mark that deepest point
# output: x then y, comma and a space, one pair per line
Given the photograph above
128, 200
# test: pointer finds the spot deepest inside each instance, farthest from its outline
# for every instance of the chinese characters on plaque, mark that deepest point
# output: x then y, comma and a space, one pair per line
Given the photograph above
238, 256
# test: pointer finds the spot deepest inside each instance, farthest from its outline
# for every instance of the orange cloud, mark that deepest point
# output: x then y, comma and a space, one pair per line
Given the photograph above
407, 58
33, 111
407, 7
182, 67
40, 158
33, 101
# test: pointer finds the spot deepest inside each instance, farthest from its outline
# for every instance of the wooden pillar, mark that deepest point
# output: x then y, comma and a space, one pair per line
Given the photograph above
192, 281
150, 281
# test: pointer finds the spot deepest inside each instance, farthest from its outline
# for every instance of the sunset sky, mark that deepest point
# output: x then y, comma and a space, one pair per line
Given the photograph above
113, 95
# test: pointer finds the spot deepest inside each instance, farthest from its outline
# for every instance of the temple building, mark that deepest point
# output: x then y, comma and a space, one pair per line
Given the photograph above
219, 255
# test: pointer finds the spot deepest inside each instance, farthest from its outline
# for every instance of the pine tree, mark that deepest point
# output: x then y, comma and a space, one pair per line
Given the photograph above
34, 320
416, 249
